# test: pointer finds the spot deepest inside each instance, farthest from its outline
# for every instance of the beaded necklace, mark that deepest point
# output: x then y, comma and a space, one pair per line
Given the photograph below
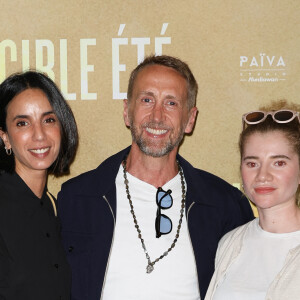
150, 265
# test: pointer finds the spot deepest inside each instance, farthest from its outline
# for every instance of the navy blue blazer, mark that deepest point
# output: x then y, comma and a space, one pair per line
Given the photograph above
87, 208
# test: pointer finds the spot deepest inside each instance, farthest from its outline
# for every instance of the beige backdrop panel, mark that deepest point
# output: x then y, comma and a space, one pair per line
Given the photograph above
243, 54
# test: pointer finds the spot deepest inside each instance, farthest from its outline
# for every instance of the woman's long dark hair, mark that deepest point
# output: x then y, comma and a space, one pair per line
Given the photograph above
19, 82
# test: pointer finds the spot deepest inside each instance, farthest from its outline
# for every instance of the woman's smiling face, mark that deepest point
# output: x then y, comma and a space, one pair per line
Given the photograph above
33, 131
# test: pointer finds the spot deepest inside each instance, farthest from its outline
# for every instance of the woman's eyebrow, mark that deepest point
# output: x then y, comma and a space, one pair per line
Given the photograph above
250, 157
27, 116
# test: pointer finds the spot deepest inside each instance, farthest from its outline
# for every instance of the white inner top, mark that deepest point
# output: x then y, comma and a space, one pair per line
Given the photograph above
261, 259
175, 276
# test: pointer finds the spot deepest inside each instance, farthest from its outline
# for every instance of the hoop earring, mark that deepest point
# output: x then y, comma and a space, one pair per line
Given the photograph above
8, 151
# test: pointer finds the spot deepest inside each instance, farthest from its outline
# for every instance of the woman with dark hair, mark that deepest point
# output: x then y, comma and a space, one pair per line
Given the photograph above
261, 259
38, 136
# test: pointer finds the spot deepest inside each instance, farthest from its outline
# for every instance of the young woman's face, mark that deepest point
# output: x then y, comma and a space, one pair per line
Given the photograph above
33, 131
270, 170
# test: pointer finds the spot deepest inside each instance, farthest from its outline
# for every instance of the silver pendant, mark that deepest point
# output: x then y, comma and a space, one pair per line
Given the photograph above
149, 268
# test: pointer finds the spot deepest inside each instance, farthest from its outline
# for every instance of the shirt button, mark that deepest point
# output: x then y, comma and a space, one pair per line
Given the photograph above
56, 266
42, 203
70, 248
47, 234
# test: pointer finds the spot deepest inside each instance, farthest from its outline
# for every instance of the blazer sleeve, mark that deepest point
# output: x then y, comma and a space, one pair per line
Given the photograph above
4, 269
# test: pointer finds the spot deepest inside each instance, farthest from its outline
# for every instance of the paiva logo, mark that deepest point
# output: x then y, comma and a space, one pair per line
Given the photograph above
262, 68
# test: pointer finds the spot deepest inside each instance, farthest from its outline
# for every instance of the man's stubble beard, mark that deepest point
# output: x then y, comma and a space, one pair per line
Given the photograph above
152, 148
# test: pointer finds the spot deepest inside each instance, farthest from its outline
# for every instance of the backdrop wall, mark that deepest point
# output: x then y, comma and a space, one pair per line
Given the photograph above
243, 54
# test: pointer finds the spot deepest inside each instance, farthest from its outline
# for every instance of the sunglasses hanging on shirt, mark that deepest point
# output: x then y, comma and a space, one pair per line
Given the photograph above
164, 200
